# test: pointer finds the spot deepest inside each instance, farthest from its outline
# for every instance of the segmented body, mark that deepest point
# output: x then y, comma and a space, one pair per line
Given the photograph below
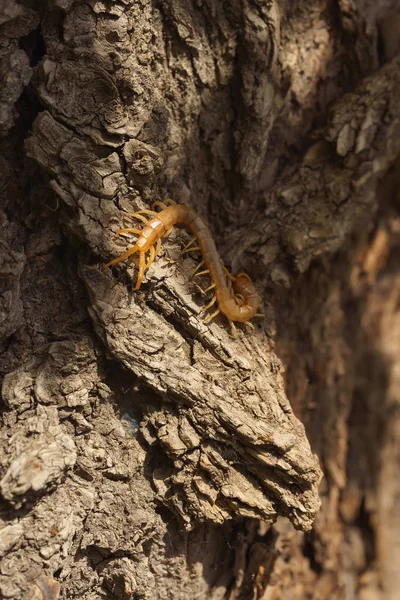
236, 296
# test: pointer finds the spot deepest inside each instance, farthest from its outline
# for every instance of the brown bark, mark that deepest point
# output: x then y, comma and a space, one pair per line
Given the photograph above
144, 453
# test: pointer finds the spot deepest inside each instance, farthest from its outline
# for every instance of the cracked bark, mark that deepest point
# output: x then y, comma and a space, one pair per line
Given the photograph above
145, 454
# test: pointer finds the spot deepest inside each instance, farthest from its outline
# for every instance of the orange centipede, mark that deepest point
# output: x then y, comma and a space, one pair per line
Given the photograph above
237, 297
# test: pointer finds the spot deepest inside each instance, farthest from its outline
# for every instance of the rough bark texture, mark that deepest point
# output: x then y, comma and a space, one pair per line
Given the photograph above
145, 454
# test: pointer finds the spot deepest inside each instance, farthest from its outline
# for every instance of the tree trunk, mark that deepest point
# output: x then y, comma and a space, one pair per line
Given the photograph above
148, 454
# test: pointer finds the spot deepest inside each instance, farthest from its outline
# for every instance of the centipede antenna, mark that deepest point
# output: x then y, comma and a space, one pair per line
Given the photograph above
259, 315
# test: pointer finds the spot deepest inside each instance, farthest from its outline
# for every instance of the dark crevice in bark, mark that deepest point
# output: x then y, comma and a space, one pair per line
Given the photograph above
34, 46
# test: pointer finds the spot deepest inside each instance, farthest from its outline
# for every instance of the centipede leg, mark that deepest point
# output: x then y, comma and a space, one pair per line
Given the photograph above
129, 230
186, 248
233, 329
240, 299
211, 287
210, 304
197, 268
142, 266
152, 257
168, 231
146, 211
184, 201
159, 204
229, 276
202, 292
163, 205
210, 317
137, 215
243, 275
201, 273
124, 256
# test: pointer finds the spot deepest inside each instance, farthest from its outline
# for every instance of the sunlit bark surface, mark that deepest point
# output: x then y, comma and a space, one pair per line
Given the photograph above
145, 454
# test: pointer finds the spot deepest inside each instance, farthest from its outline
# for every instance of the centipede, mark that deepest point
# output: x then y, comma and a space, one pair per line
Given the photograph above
235, 296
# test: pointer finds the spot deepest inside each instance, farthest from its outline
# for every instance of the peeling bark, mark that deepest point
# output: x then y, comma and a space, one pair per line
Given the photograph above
144, 453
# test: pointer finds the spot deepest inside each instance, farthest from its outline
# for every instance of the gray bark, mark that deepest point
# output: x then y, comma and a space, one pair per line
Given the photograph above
144, 453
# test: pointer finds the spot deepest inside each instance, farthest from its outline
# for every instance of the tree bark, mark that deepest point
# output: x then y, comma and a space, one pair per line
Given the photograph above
144, 453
